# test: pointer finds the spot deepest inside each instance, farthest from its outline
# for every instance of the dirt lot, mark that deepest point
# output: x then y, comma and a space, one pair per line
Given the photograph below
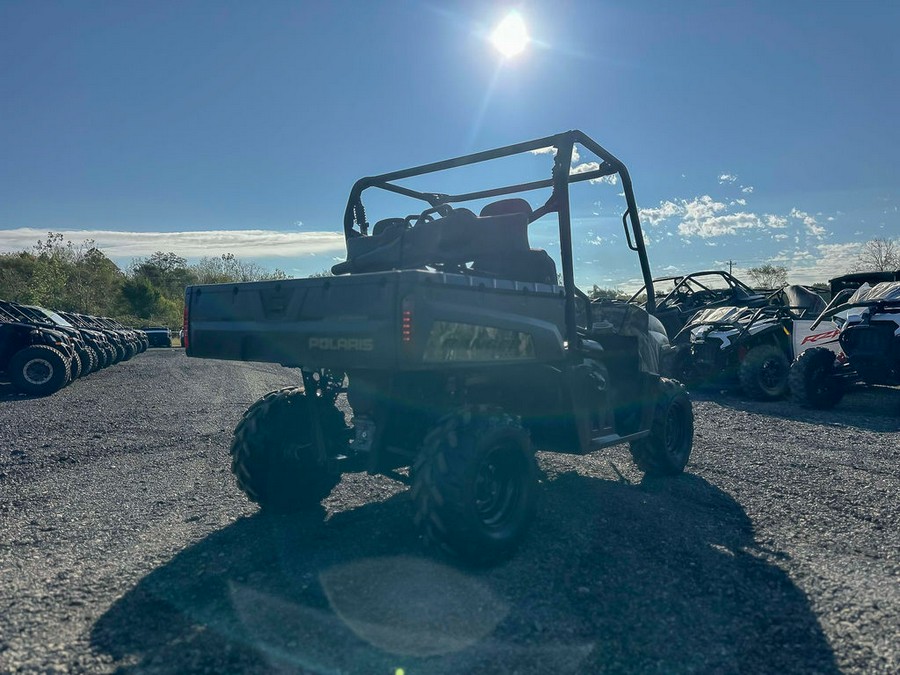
124, 546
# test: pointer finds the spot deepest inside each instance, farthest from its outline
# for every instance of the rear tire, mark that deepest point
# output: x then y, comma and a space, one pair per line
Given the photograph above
475, 486
39, 370
813, 381
764, 373
666, 451
274, 456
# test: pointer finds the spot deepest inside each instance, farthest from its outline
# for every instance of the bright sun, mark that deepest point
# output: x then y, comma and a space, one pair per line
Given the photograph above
511, 36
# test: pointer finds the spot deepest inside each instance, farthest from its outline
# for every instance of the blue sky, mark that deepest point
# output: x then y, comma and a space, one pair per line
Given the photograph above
754, 132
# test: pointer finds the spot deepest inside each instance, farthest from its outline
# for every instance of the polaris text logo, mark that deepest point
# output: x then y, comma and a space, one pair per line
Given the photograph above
332, 344
818, 337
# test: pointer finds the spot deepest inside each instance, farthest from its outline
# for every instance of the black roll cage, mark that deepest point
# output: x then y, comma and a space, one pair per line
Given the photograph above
561, 177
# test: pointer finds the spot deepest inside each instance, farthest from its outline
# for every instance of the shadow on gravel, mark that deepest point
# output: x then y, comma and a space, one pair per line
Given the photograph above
658, 577
870, 408
8, 393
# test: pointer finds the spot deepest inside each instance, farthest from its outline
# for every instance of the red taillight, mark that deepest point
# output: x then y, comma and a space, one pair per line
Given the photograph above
406, 320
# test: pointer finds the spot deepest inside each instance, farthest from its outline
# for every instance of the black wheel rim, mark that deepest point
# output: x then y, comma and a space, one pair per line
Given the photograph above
498, 487
772, 375
38, 371
676, 431
821, 382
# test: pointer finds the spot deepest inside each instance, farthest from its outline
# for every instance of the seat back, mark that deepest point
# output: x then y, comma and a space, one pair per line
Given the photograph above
517, 260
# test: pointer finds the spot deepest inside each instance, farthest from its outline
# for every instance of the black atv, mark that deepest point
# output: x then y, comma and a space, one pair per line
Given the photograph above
678, 298
867, 322
753, 347
458, 351
36, 359
85, 360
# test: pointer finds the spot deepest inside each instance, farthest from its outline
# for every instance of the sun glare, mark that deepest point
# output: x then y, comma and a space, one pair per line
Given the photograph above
511, 36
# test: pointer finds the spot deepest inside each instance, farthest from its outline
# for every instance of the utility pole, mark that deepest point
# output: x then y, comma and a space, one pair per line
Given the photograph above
730, 264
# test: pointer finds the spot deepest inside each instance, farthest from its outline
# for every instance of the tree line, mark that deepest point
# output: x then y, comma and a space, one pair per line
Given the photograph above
60, 275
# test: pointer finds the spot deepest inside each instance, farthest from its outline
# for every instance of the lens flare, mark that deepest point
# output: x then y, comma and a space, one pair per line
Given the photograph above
510, 37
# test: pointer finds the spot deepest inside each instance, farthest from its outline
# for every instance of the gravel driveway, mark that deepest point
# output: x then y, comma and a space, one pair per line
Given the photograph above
124, 546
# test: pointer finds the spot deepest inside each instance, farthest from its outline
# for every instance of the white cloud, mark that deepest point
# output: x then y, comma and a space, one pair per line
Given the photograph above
701, 208
707, 226
593, 166
825, 262
243, 243
747, 189
727, 178
809, 222
654, 216
550, 150
705, 217
611, 179
584, 168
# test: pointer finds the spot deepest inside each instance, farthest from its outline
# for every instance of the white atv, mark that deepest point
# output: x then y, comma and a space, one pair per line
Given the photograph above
867, 322
752, 346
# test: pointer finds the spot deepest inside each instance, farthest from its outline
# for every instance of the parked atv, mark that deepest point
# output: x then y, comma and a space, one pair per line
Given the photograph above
458, 352
37, 360
868, 324
678, 298
85, 343
753, 347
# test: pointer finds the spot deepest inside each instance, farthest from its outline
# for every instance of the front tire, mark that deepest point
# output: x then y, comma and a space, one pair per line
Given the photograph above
76, 367
274, 454
475, 486
88, 360
764, 373
813, 381
666, 451
39, 370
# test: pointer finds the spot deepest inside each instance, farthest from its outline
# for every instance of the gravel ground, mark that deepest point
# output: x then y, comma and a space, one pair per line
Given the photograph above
126, 547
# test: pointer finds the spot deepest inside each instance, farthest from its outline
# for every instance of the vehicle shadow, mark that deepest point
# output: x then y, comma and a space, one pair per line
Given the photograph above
870, 408
9, 393
662, 576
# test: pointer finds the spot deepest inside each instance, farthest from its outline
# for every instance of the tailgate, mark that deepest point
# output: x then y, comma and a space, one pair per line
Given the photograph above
331, 322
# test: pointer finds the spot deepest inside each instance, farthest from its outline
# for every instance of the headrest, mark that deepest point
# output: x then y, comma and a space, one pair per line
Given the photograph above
507, 206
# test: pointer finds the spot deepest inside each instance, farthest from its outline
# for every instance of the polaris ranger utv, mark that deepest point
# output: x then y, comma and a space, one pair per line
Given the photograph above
458, 351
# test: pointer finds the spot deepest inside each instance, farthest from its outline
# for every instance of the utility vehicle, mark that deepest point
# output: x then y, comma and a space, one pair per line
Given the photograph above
678, 298
751, 346
36, 359
458, 350
86, 343
867, 322
158, 336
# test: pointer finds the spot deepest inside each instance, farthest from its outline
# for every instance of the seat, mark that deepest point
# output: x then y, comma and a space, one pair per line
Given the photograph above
517, 261
806, 302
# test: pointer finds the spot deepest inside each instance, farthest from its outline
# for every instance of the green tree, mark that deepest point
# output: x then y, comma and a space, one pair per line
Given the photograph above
17, 272
141, 297
228, 268
167, 272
